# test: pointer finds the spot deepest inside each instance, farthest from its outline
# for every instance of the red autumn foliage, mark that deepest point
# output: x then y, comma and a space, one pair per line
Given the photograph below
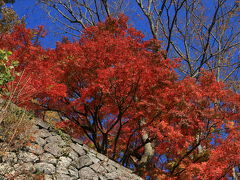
111, 81
39, 73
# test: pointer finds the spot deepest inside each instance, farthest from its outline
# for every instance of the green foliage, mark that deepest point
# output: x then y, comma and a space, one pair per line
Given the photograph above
6, 68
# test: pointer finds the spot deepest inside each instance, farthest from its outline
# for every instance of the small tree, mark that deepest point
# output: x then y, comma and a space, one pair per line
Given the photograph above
8, 17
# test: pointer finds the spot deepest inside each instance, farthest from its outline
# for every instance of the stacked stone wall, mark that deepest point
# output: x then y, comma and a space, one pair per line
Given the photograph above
53, 155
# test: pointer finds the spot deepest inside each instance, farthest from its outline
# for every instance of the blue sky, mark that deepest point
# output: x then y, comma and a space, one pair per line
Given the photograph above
35, 16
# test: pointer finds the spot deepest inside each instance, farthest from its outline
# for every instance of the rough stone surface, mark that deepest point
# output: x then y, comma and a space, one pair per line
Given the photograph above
55, 140
64, 162
84, 160
98, 168
43, 133
56, 156
10, 157
42, 124
35, 148
63, 177
27, 157
73, 155
47, 177
45, 168
77, 148
73, 171
49, 158
25, 167
54, 149
87, 173
40, 141
5, 168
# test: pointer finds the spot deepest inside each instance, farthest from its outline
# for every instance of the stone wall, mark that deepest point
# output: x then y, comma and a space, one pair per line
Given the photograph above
56, 156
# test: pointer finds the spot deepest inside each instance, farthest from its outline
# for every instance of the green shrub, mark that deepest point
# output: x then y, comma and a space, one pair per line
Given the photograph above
7, 73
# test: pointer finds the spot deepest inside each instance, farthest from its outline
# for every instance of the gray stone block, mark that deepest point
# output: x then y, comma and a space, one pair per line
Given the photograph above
73, 171
87, 173
24, 167
56, 139
82, 162
43, 133
78, 148
54, 149
40, 141
45, 168
78, 141
48, 177
98, 168
62, 165
73, 155
42, 124
48, 158
5, 168
62, 177
35, 148
10, 157
27, 157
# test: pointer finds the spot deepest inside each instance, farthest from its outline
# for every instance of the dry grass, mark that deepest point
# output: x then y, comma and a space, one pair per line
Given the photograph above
14, 126
15, 122
15, 133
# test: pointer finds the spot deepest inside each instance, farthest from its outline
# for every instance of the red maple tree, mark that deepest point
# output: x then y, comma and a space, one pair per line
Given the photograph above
116, 91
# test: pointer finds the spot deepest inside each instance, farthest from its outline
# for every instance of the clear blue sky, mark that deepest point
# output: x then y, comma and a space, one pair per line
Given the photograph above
37, 16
